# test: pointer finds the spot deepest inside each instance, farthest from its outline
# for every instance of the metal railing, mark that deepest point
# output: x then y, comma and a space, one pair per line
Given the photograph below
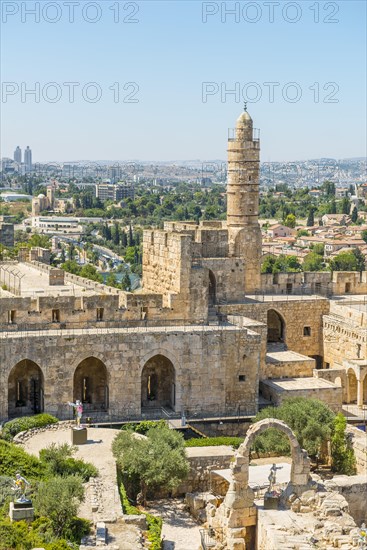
207, 538
103, 325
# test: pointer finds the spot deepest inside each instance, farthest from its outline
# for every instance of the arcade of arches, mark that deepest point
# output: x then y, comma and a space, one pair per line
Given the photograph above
91, 384
158, 387
25, 389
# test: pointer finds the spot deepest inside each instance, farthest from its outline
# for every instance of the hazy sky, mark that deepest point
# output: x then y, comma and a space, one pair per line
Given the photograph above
151, 79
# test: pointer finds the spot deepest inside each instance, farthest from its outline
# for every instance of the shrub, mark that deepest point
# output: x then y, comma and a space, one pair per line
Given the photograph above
158, 460
6, 491
311, 420
144, 426
154, 523
24, 423
344, 461
154, 531
58, 460
214, 441
58, 499
14, 458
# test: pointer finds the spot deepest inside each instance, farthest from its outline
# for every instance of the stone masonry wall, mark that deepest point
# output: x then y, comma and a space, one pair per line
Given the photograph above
203, 357
296, 314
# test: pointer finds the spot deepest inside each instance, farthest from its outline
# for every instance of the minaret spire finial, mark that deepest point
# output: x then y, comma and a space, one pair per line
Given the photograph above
245, 106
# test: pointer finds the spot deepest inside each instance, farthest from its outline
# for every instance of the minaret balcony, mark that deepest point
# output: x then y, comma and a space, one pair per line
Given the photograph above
232, 134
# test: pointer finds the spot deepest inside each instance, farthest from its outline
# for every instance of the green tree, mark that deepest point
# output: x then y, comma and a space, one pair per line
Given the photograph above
290, 221
71, 267
348, 261
311, 218
354, 215
329, 188
364, 235
267, 265
125, 282
58, 499
345, 206
310, 419
312, 262
40, 240
159, 460
90, 272
318, 248
111, 280
344, 461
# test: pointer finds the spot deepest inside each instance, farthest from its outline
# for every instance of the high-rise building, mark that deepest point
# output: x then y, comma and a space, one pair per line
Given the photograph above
114, 192
28, 159
18, 155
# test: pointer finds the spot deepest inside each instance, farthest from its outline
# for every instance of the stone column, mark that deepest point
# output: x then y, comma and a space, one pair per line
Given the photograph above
359, 393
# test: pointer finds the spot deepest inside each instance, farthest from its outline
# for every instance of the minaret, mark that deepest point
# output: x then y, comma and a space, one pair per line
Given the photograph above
244, 232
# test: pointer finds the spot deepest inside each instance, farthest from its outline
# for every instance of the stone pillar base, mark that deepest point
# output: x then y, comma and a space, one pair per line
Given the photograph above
19, 511
79, 436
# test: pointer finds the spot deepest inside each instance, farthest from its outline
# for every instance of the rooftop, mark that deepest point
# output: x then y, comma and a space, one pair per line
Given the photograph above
34, 282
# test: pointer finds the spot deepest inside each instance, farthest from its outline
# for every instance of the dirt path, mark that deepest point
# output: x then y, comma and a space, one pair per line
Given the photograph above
102, 502
180, 531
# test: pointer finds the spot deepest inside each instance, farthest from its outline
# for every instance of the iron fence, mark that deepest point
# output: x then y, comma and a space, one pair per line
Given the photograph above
207, 538
101, 326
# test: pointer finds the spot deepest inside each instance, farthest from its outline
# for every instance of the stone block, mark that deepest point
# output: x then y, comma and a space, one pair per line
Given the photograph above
79, 436
21, 514
139, 520
236, 544
101, 533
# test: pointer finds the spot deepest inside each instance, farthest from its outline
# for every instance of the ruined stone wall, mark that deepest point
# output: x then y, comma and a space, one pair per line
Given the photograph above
199, 478
297, 314
354, 490
359, 443
207, 361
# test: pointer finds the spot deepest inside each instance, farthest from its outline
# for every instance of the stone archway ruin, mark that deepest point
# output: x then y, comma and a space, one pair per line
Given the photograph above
237, 515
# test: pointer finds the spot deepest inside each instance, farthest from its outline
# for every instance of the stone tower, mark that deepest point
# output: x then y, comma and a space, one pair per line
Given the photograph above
243, 199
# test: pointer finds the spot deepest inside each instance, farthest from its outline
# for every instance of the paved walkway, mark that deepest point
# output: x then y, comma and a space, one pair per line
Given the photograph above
180, 531
101, 491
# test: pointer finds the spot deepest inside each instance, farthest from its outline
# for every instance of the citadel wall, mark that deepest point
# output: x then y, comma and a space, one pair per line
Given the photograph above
215, 369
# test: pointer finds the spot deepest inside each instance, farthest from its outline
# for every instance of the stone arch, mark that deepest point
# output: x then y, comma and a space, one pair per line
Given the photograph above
299, 475
352, 386
212, 289
236, 518
158, 383
160, 351
90, 384
364, 389
25, 389
276, 326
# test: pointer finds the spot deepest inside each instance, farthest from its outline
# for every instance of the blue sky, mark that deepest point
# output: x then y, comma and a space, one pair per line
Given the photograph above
169, 54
